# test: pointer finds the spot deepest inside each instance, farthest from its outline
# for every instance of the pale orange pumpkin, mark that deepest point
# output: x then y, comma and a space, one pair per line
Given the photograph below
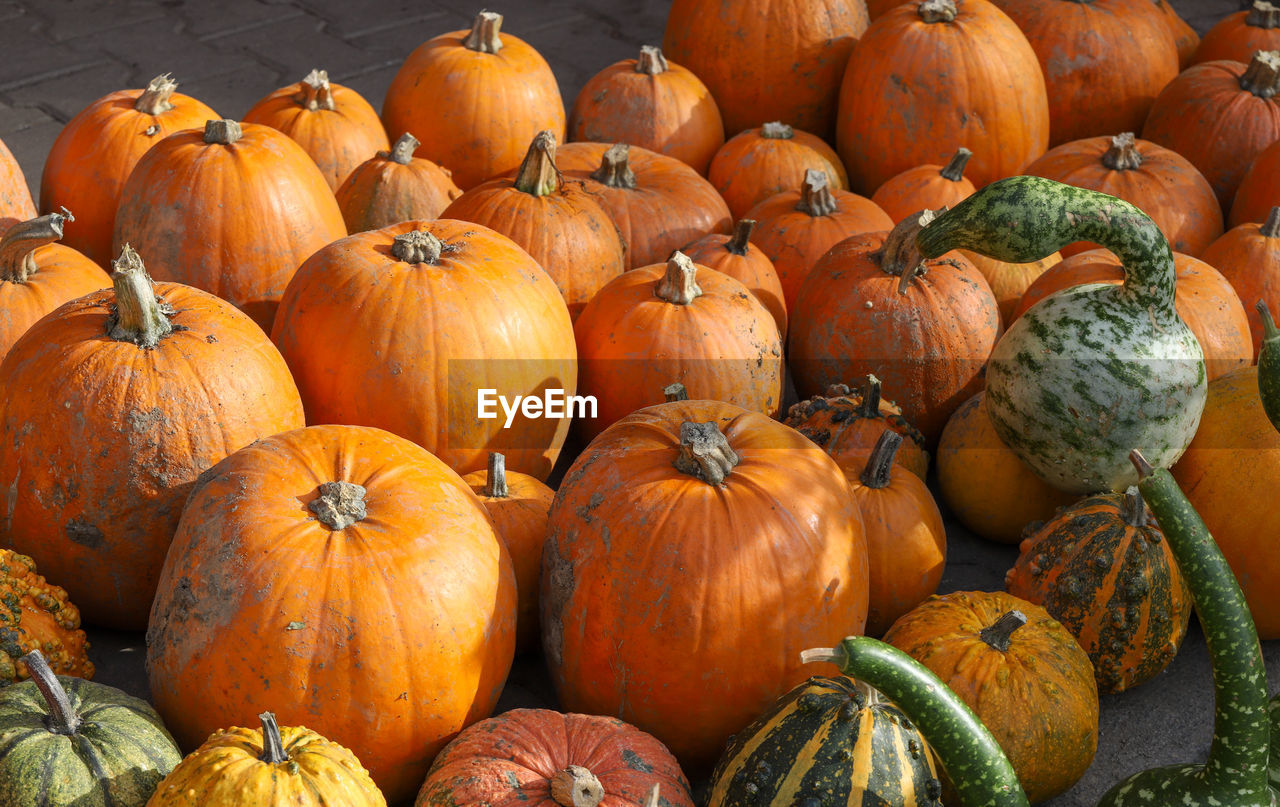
758, 163
395, 186
1248, 256
925, 186
738, 258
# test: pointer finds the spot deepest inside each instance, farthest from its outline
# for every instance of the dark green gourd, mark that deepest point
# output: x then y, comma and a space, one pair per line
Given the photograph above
1091, 371
1269, 366
974, 761
1236, 773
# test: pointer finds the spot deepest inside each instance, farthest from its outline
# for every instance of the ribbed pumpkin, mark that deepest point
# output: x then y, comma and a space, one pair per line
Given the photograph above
847, 424
758, 163
1102, 568
747, 55
930, 76
37, 274
1220, 116
15, 197
110, 407
652, 103
395, 186
332, 123
733, 491
984, 484
269, 767
676, 321
1009, 281
877, 8
95, 152
1104, 61
796, 228
1020, 671
925, 186
1161, 182
1236, 37
1257, 192
924, 328
737, 257
832, 739
541, 758
1248, 256
1205, 300
658, 203
1184, 36
67, 741
231, 210
335, 542
390, 292
475, 99
37, 616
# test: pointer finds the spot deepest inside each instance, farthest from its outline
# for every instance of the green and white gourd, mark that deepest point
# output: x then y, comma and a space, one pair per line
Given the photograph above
1269, 366
1091, 371
1237, 771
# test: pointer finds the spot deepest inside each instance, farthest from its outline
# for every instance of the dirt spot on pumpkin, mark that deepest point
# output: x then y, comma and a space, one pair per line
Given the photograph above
555, 593
635, 762
85, 534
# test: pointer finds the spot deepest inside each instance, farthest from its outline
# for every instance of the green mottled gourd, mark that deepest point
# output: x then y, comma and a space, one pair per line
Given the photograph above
1273, 771
1091, 371
1269, 367
974, 761
1236, 773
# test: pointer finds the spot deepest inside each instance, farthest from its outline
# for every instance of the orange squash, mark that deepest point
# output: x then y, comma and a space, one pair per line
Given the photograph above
742, 260
925, 186
395, 186
1184, 36
1236, 37
1248, 256
1009, 281
1257, 192
759, 163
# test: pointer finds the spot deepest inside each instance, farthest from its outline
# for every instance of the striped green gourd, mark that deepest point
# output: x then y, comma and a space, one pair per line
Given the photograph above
977, 766
1236, 773
1091, 371
67, 741
829, 741
1269, 366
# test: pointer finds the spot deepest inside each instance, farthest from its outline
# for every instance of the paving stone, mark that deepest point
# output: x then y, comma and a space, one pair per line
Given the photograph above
227, 17
31, 57
30, 147
66, 94
170, 50
72, 20
307, 47
372, 82
397, 38
17, 118
233, 92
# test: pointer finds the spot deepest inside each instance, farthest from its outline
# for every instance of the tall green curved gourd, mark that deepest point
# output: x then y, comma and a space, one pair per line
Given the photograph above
1269, 367
977, 766
1236, 773
1094, 370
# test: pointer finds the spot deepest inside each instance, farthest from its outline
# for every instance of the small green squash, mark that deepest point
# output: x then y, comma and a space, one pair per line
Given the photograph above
68, 742
1269, 366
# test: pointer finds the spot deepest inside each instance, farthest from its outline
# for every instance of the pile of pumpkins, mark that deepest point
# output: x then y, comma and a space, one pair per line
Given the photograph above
794, 259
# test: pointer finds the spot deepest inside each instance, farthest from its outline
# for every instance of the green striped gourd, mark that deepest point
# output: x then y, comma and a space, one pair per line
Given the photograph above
1269, 366
974, 761
1091, 371
1236, 773
1273, 772
67, 741
829, 741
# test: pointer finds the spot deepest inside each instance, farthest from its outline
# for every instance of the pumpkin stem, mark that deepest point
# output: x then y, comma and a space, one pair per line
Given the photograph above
870, 405
339, 505
1123, 154
575, 786
954, 170
139, 316
705, 452
1271, 227
879, 470
538, 175
831, 655
777, 130
402, 151
222, 132
651, 800
1134, 510
62, 717
899, 256
816, 198
937, 10
315, 92
417, 246
675, 392
1269, 329
18, 247
679, 286
1263, 15
1140, 464
272, 746
484, 36
496, 484
1262, 76
999, 635
156, 98
615, 170
651, 61
741, 239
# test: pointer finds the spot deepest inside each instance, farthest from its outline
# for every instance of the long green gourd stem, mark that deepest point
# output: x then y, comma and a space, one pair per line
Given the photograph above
1023, 218
973, 759
1269, 366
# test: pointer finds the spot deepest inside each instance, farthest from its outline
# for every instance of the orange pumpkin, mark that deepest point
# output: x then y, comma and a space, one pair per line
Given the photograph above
94, 153
1163, 183
1184, 36
1205, 301
1248, 256
877, 8
929, 76
475, 98
335, 542
110, 407
759, 163
1257, 192
742, 260
652, 103
395, 186
231, 210
1236, 37
400, 366
664, 540
332, 123
15, 197
558, 223
925, 186
1009, 281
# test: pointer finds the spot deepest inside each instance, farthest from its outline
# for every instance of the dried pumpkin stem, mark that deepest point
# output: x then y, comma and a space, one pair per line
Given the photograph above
1262, 76
705, 452
139, 317
879, 470
954, 170
339, 505
679, 286
538, 175
777, 130
417, 246
615, 168
222, 132
1271, 227
1140, 464
62, 717
816, 197
651, 61
937, 10
871, 393
899, 256
1263, 15
485, 33
156, 99
1134, 511
272, 746
402, 151
496, 484
675, 392
315, 92
741, 239
575, 786
18, 247
999, 635
830, 655
651, 800
1123, 154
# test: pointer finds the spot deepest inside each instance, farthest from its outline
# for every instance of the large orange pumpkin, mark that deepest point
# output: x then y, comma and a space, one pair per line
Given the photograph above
396, 297
15, 197
1257, 192
232, 210
95, 152
1248, 256
330, 543
742, 260
925, 186
1184, 36
758, 163
933, 75
475, 99
110, 407
395, 186
1236, 37
661, 565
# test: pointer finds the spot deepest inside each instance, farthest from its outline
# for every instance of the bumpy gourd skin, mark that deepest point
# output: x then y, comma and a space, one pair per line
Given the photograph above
1091, 371
1269, 368
36, 615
